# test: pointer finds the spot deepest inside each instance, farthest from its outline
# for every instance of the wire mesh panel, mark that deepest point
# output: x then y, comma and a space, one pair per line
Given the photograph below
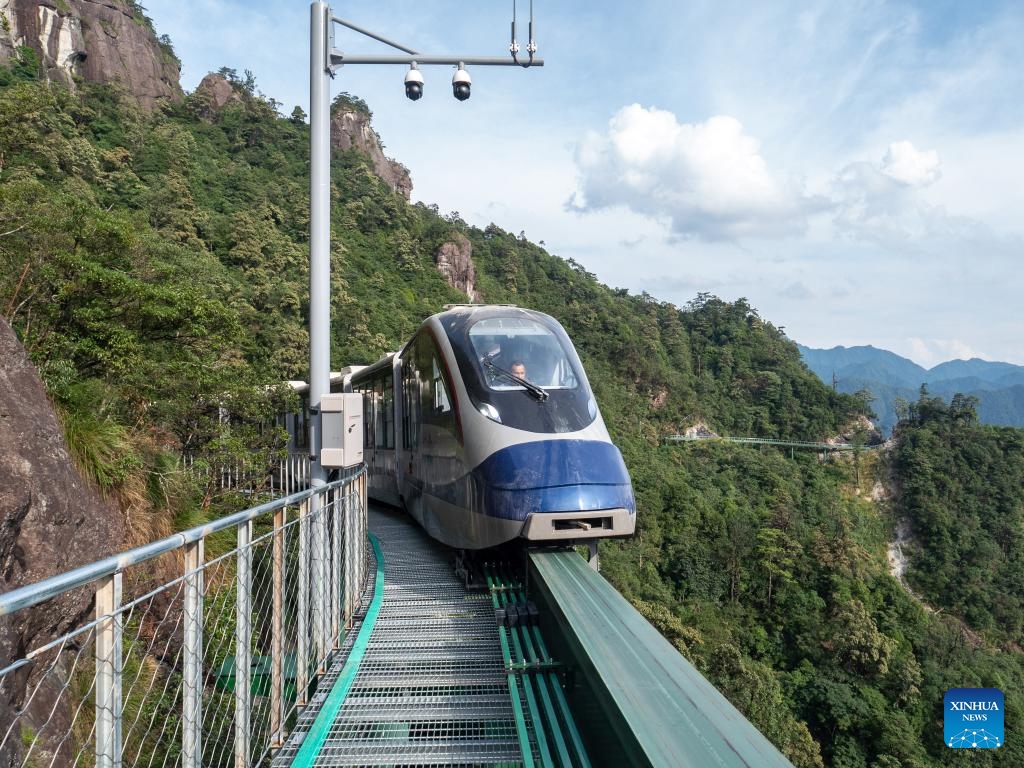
48, 690
198, 650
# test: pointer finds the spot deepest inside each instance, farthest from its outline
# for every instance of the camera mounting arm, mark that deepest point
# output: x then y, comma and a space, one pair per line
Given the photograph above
336, 58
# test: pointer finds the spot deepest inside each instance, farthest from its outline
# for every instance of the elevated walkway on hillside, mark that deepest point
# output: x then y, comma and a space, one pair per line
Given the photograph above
796, 444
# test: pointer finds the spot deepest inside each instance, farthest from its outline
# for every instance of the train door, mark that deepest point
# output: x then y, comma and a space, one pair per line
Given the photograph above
369, 444
440, 446
410, 486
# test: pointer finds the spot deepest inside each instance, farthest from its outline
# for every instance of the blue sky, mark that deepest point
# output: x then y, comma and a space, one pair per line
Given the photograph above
852, 168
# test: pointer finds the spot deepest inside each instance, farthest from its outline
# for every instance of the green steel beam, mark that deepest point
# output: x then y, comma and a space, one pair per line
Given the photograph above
650, 706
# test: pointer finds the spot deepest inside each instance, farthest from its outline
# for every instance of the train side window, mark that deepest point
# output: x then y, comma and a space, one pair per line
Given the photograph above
301, 428
378, 416
435, 393
388, 412
442, 403
410, 401
367, 426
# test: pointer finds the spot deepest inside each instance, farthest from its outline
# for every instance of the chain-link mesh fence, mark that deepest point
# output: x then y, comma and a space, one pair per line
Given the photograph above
197, 650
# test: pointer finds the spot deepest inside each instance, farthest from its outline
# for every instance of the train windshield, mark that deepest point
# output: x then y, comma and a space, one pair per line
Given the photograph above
522, 371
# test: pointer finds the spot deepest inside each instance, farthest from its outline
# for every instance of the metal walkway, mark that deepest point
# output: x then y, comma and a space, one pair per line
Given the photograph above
431, 686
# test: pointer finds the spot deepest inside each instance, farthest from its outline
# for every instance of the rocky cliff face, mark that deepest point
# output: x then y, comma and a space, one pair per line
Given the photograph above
103, 41
351, 128
454, 260
50, 522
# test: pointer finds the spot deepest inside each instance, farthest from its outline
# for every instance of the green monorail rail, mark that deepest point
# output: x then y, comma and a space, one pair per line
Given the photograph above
526, 657
645, 705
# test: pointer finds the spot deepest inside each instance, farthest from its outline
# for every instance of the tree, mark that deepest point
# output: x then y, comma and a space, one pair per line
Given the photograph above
859, 643
776, 553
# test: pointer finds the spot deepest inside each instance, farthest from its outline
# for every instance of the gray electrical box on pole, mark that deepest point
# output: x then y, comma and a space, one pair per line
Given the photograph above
342, 432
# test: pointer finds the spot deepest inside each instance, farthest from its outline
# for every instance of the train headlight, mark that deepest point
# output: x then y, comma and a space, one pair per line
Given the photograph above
489, 411
592, 408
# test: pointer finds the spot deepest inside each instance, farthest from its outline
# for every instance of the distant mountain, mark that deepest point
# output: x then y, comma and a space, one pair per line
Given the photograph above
982, 369
864, 363
999, 387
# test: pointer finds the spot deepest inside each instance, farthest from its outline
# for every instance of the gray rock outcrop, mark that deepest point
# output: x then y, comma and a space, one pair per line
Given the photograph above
101, 41
350, 128
454, 260
50, 522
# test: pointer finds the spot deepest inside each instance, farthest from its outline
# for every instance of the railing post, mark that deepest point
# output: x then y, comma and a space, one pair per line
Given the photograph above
302, 619
243, 647
192, 695
109, 661
350, 564
319, 513
277, 631
326, 510
337, 507
364, 520
361, 511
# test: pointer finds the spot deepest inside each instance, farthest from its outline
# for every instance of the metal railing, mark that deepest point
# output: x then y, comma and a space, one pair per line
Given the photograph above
815, 446
291, 474
203, 647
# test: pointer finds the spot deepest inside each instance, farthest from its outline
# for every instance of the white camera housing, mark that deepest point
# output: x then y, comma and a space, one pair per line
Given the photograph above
461, 84
414, 83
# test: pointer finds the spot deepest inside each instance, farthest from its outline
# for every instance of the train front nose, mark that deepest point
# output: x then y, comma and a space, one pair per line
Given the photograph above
559, 489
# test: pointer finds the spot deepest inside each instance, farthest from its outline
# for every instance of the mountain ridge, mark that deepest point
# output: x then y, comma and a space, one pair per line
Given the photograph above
999, 386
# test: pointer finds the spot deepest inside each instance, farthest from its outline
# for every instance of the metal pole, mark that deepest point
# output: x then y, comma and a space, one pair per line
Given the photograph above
319, 228
108, 672
320, 27
192, 696
338, 59
243, 644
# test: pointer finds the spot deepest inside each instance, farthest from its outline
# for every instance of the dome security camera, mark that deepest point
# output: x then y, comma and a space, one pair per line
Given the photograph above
461, 83
413, 83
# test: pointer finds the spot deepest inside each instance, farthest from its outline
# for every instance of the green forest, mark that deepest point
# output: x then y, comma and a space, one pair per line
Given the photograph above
962, 488
155, 265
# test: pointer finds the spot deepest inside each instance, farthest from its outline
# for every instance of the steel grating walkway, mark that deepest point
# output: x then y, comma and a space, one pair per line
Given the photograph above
432, 688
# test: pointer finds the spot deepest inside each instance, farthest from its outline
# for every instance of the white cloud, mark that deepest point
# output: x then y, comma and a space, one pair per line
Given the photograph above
884, 202
797, 291
686, 284
930, 352
906, 164
708, 180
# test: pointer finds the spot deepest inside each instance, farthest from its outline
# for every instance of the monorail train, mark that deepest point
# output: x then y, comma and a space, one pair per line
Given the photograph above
485, 429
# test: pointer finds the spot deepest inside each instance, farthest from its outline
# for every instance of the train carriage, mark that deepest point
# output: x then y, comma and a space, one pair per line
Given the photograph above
485, 429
